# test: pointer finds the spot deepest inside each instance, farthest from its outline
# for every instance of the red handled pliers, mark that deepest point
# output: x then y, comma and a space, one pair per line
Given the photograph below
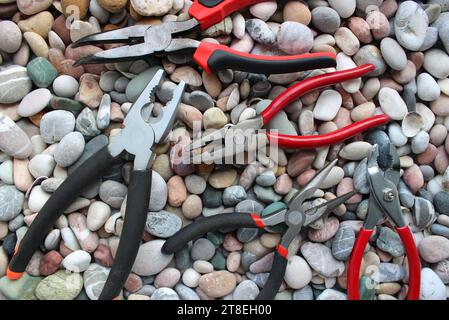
288, 141
384, 201
158, 39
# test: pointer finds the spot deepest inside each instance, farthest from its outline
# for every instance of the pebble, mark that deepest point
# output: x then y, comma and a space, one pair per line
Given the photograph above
113, 193
346, 9
246, 290
162, 224
233, 195
298, 273
217, 284
436, 63
263, 10
50, 263
87, 239
325, 19
14, 141
390, 272
54, 287
168, 277
393, 54
222, 179
214, 118
202, 249
342, 243
432, 288
260, 32
424, 212
11, 202
420, 142
77, 261
94, 279
65, 86
392, 104
34, 102
297, 11
410, 25
326, 232
320, 258
371, 54
10, 37
55, 125
41, 72
14, 84
355, 150
332, 294
434, 249
294, 38
164, 294
152, 7
151, 251
390, 242
69, 149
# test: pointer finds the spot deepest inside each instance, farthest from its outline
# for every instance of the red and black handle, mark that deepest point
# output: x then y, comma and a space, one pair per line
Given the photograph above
213, 57
210, 12
412, 258
327, 139
274, 281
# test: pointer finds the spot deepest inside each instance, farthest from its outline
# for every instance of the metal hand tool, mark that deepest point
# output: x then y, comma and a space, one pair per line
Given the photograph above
158, 39
138, 138
384, 202
284, 99
293, 216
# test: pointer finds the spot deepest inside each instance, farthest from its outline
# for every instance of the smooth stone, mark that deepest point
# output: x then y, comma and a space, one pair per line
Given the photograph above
345, 9
327, 105
41, 165
294, 38
41, 72
410, 25
223, 178
55, 125
390, 272
87, 239
442, 270
37, 44
355, 150
347, 41
69, 149
201, 100
305, 293
20, 289
266, 179
113, 193
233, 195
393, 54
152, 7
14, 141
246, 290
332, 294
34, 102
440, 230
266, 194
392, 104
10, 37
65, 86
86, 123
185, 293
11, 201
54, 287
436, 62
263, 10
139, 82
441, 202
164, 294
298, 273
37, 198
187, 74
14, 84
91, 147
212, 198
50, 263
342, 243
218, 283
94, 279
162, 224
434, 249
432, 288
424, 212
195, 184
97, 215
77, 261
371, 54
420, 142
60, 103
202, 249
260, 32
326, 232
151, 251
389, 241
428, 89
320, 258
325, 19
6, 172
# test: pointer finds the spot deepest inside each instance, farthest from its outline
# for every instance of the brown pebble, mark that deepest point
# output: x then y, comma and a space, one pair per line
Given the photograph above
60, 27
50, 263
360, 28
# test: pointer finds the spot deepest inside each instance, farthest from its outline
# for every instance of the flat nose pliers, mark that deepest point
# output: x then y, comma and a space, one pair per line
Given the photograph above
139, 138
158, 39
384, 202
294, 217
211, 146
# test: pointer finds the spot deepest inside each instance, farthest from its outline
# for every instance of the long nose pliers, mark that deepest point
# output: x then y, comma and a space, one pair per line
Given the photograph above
148, 40
139, 138
293, 216
384, 202
212, 146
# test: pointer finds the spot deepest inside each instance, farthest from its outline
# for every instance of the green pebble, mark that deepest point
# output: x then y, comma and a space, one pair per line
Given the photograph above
182, 258
60, 103
218, 261
41, 72
20, 289
367, 288
215, 237
266, 194
62, 285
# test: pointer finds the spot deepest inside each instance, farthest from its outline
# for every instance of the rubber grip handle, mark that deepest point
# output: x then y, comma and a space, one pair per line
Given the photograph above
302, 87
213, 57
414, 263
321, 140
226, 220
209, 14
139, 191
275, 278
92, 169
355, 263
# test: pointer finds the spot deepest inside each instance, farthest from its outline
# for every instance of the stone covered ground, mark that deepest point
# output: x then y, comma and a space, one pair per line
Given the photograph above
54, 115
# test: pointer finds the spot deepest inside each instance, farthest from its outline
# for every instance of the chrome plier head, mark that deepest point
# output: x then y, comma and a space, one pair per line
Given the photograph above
138, 137
143, 40
384, 196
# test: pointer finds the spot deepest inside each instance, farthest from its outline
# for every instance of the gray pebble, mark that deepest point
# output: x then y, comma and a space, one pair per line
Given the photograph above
410, 25
249, 206
212, 198
326, 19
259, 279
233, 195
260, 32
195, 184
362, 209
371, 54
225, 76
247, 234
159, 193
113, 193
118, 97
146, 290
52, 239
389, 241
305, 293
139, 82
430, 39
164, 294
342, 243
108, 79
247, 259
182, 259
202, 249
162, 224
91, 147
441, 202
266, 179
424, 212
443, 32
56, 124
69, 149
11, 202
246, 290
86, 123
120, 84
104, 112
16, 223
360, 178
201, 100
405, 195
186, 293
294, 38
349, 168
51, 184
393, 54
390, 272
208, 212
427, 172
440, 230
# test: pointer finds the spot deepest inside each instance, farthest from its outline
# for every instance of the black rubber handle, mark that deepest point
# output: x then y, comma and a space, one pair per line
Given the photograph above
67, 192
139, 191
226, 220
274, 281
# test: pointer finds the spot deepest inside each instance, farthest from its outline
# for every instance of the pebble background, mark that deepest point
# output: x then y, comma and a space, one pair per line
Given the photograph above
54, 115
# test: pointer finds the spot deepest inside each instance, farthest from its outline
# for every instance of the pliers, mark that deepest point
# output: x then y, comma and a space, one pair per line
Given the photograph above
158, 39
384, 202
211, 146
293, 216
138, 138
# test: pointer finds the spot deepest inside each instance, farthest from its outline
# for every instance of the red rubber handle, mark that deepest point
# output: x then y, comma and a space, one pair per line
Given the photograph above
321, 140
414, 263
302, 87
210, 12
213, 57
356, 261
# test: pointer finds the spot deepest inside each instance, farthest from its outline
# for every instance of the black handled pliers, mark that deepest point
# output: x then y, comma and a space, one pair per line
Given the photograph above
138, 138
294, 217
148, 40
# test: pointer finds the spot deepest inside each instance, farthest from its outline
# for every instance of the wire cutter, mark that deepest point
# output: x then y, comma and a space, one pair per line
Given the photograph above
138, 138
158, 39
384, 202
293, 216
209, 145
